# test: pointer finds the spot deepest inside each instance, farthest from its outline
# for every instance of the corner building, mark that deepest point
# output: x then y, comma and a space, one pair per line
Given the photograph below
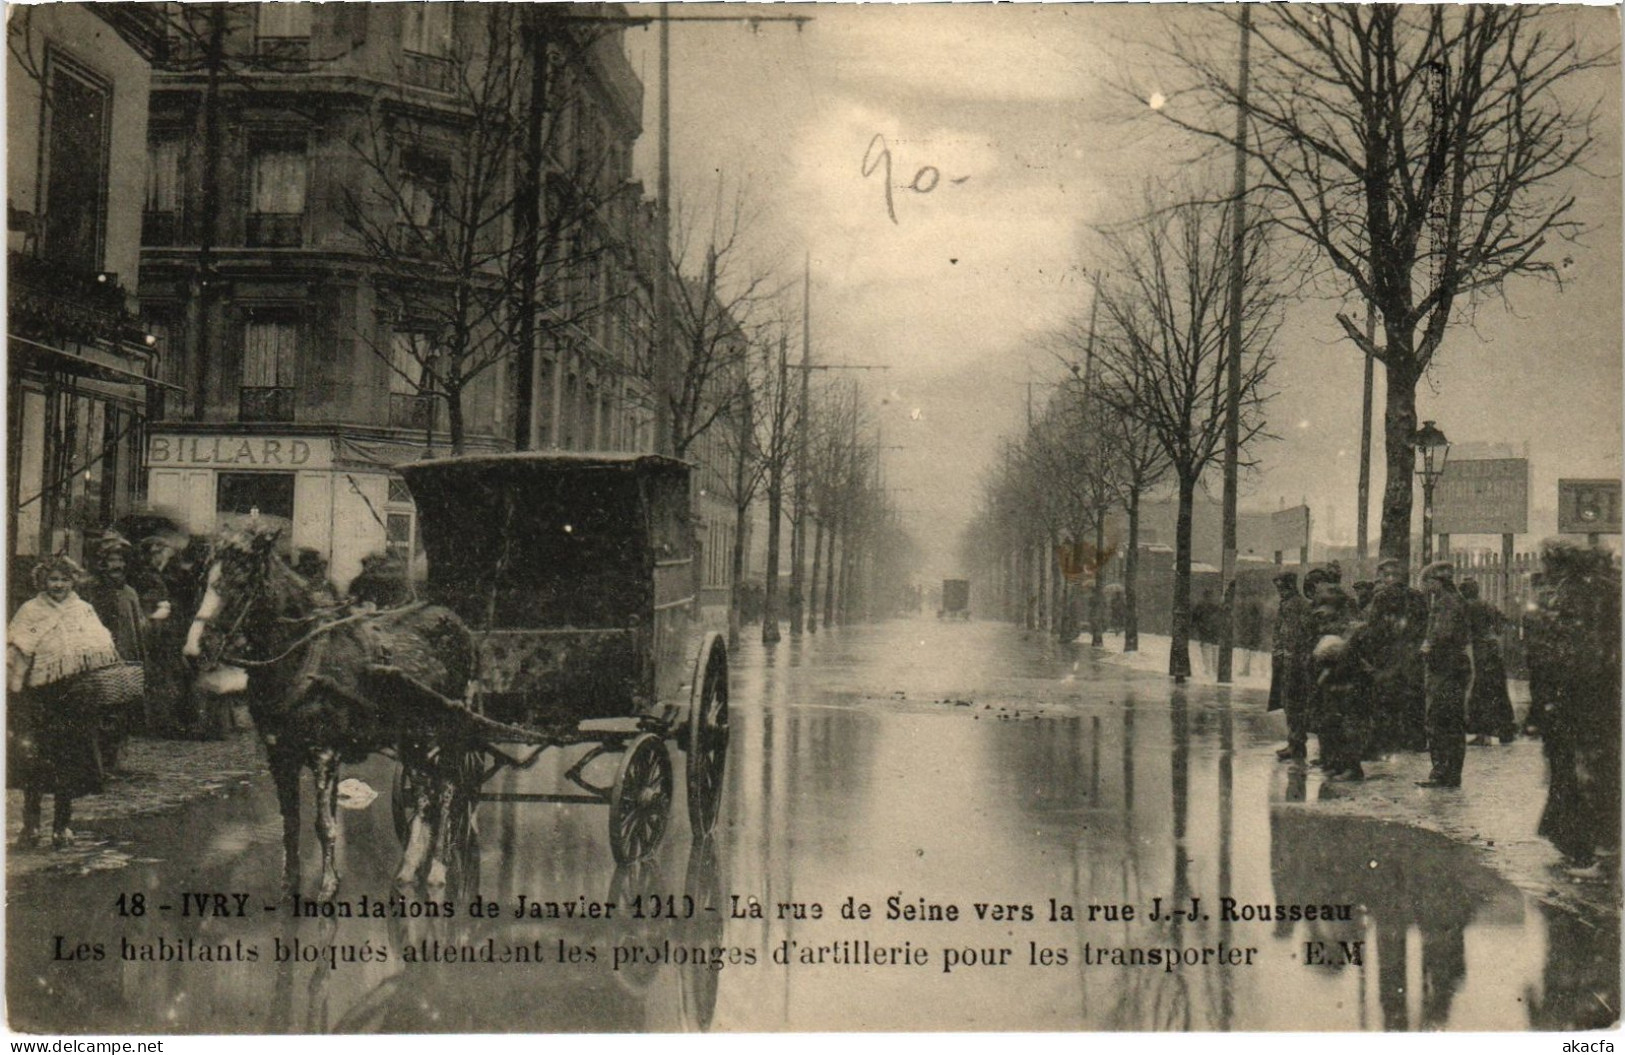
295, 356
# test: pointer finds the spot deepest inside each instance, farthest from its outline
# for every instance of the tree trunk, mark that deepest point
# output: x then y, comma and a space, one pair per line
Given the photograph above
454, 420
812, 584
1398, 426
847, 610
1179, 649
770, 589
829, 576
737, 573
1057, 587
1097, 636
1131, 576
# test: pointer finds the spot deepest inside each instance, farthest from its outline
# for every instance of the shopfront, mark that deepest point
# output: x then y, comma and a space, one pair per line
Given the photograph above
329, 493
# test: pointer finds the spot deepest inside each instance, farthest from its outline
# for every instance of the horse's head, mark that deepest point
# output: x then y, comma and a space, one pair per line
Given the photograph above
239, 592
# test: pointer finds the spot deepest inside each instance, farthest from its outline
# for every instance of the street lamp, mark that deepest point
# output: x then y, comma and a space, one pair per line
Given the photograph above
1434, 448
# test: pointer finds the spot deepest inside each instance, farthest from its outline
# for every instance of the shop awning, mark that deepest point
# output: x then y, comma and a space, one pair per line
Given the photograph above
85, 367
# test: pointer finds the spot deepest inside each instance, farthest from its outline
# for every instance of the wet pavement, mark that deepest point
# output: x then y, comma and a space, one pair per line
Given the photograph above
954, 779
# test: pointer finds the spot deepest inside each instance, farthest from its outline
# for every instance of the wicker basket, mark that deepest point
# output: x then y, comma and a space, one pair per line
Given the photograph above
114, 688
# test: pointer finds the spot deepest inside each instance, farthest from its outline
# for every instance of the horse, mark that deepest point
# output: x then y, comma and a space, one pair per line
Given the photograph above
317, 699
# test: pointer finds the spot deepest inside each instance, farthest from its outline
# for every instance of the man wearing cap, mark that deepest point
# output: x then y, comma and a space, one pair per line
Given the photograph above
1447, 654
1288, 647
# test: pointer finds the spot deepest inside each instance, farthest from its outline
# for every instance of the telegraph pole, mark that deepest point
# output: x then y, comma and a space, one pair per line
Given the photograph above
1363, 513
1232, 425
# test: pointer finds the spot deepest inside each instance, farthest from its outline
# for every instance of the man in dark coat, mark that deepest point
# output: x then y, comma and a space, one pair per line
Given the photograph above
1574, 676
1342, 690
1448, 654
1489, 707
1396, 621
1287, 649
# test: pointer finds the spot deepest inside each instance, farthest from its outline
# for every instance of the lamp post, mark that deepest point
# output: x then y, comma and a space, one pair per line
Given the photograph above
1434, 448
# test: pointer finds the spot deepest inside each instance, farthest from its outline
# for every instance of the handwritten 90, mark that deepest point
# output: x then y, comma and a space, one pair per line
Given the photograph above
878, 158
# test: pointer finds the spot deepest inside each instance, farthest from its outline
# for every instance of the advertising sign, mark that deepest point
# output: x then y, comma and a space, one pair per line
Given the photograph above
1289, 530
1487, 496
1588, 507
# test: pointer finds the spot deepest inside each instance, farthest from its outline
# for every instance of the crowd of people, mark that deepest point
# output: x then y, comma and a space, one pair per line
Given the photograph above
131, 608
1385, 667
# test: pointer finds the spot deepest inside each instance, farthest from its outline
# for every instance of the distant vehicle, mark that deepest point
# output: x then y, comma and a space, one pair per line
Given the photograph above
955, 599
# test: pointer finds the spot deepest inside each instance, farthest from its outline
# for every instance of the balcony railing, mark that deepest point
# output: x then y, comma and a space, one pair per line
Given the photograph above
160, 228
283, 54
272, 229
264, 404
54, 304
426, 71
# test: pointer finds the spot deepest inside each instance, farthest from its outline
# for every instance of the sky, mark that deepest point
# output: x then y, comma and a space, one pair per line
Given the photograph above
1009, 140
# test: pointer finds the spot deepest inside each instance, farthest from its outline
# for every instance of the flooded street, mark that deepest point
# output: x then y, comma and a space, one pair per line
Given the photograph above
925, 825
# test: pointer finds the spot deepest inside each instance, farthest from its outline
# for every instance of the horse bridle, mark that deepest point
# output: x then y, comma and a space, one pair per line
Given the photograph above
236, 625
320, 631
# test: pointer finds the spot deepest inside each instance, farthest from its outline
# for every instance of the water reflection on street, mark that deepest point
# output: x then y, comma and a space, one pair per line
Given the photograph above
937, 764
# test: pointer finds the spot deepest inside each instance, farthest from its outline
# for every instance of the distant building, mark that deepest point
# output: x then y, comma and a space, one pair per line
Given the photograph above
79, 370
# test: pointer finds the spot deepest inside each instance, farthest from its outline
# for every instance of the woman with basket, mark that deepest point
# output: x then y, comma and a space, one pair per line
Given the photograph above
54, 643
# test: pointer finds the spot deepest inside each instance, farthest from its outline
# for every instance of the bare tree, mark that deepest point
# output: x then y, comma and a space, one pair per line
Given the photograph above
468, 269
760, 445
1423, 150
716, 311
1161, 353
1143, 465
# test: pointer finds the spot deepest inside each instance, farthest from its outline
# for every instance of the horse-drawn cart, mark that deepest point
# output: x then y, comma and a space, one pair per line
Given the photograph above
575, 575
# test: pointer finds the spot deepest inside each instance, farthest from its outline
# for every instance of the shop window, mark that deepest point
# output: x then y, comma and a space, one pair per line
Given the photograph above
270, 355
267, 496
75, 177
398, 535
276, 206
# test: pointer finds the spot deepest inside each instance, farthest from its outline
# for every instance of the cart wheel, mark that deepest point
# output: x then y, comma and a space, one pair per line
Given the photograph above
462, 832
401, 794
640, 804
638, 880
697, 980
708, 743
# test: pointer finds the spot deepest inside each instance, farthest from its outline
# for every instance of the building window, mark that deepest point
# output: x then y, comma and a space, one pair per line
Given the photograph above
282, 33
570, 413
160, 219
276, 205
426, 29
411, 381
590, 438
164, 331
426, 46
270, 355
75, 157
423, 182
